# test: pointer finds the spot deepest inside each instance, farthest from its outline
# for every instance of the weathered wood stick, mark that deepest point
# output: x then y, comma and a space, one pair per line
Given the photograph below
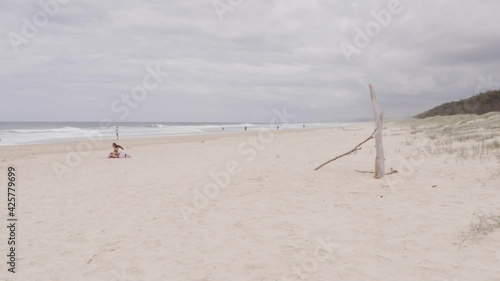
379, 116
356, 148
370, 172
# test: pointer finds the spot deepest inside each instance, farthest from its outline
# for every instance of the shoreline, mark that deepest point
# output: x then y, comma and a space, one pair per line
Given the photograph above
105, 144
13, 136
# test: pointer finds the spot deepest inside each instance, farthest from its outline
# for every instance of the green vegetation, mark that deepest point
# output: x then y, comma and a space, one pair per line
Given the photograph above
478, 104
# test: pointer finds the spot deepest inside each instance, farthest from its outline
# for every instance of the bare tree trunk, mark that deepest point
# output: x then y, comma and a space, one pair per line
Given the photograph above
379, 116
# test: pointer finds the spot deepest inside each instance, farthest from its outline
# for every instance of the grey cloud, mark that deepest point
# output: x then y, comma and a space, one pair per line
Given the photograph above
264, 54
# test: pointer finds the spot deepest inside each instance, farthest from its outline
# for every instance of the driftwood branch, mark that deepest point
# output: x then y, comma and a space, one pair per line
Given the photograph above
356, 148
379, 116
351, 129
369, 172
365, 172
107, 250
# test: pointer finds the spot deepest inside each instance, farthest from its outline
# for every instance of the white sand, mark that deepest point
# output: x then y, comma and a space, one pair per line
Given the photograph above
278, 219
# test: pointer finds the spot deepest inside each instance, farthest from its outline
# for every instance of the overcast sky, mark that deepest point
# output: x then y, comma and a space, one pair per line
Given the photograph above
238, 59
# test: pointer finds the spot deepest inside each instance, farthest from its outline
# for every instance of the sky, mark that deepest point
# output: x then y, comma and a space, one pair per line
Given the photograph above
237, 60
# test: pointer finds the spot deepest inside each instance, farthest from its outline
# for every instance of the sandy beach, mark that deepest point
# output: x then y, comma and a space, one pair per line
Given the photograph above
232, 140
250, 206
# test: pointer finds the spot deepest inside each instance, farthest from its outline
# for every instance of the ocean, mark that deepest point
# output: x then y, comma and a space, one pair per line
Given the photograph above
19, 133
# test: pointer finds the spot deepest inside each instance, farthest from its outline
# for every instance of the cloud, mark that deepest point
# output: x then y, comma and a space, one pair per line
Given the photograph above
264, 54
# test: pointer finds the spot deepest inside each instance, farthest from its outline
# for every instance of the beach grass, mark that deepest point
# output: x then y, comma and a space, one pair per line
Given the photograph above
464, 136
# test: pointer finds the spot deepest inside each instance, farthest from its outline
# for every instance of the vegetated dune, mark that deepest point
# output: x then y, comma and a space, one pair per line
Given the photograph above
478, 104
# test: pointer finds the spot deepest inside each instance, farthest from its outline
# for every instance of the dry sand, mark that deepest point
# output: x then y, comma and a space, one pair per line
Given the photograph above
146, 218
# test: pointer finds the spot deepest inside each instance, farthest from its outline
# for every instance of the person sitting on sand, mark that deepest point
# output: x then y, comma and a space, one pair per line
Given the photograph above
116, 151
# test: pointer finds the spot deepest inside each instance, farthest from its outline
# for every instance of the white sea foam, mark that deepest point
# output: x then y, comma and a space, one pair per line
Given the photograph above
31, 133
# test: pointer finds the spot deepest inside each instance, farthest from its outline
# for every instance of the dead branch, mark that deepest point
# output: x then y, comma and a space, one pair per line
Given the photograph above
343, 129
391, 172
369, 172
356, 148
365, 172
107, 250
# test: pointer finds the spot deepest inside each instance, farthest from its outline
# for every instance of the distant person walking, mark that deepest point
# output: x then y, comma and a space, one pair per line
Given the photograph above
245, 128
278, 128
117, 137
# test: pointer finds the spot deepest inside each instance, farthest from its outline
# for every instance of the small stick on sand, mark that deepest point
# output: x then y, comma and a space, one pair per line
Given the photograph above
369, 172
351, 129
356, 148
365, 172
107, 250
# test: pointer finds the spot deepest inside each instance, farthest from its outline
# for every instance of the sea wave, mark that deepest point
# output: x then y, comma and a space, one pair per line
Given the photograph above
52, 130
43, 133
